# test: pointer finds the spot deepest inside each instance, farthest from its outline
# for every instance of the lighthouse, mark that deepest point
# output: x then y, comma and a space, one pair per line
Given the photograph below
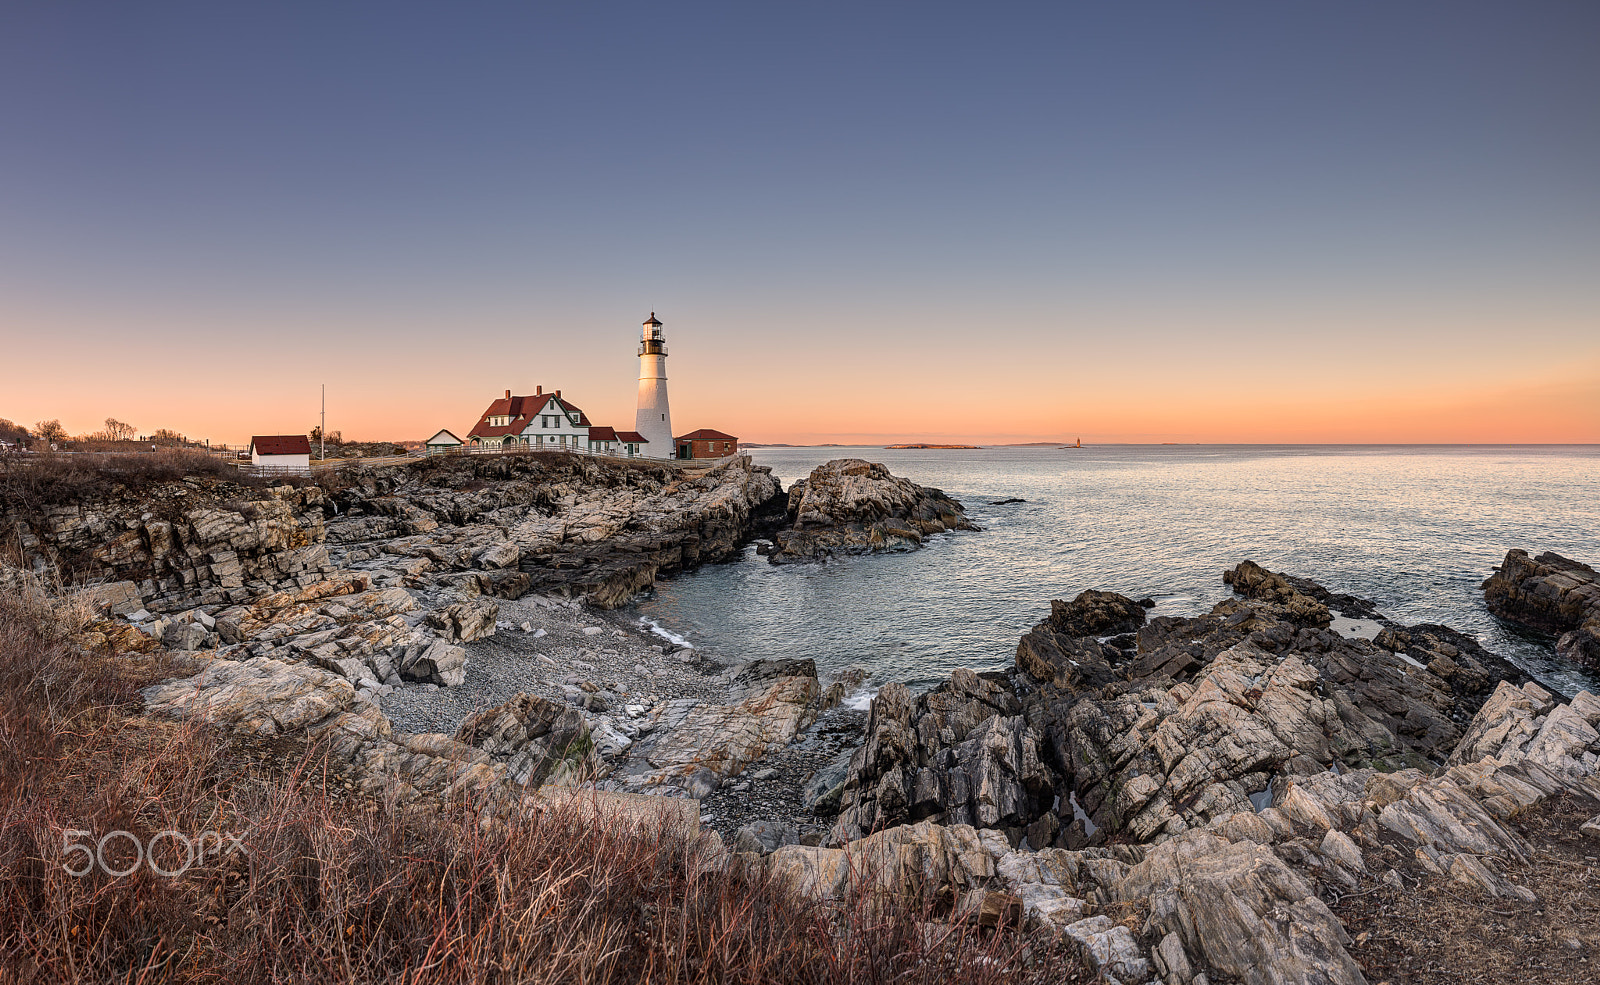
654, 417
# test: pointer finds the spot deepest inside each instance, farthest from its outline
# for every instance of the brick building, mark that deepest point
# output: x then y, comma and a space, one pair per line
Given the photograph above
706, 443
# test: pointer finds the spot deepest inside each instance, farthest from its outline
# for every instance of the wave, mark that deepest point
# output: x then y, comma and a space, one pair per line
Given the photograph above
666, 634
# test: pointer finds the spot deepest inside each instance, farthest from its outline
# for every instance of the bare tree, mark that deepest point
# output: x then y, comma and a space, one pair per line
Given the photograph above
50, 432
14, 433
118, 431
165, 436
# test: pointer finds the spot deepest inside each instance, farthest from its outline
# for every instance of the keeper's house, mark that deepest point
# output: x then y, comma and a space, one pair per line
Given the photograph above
549, 422
281, 451
706, 443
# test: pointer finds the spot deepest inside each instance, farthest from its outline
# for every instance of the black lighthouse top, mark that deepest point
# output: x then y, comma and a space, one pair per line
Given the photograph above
653, 344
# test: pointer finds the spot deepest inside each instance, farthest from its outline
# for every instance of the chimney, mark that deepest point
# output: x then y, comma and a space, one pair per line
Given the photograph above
558, 393
508, 394
538, 391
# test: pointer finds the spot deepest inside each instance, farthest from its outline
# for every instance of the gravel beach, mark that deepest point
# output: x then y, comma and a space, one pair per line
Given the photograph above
617, 668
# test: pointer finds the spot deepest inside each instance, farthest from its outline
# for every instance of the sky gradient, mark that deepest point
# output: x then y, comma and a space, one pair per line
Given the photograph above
1229, 222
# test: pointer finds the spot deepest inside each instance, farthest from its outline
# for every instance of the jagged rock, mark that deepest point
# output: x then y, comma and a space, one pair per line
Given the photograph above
768, 703
915, 861
465, 621
503, 554
766, 837
119, 598
1172, 727
1113, 951
959, 754
1551, 594
840, 687
1095, 613
1061, 650
821, 794
1046, 883
433, 662
1255, 582
850, 506
1173, 960
1243, 910
1526, 724
608, 741
185, 636
259, 696
540, 741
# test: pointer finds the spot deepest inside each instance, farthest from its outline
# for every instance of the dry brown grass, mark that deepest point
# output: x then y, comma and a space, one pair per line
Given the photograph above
31, 483
336, 887
1436, 931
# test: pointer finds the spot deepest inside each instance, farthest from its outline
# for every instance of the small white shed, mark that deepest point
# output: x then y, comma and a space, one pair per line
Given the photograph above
443, 442
289, 452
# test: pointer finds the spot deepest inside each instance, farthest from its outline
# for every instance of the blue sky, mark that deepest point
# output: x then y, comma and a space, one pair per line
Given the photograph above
1112, 218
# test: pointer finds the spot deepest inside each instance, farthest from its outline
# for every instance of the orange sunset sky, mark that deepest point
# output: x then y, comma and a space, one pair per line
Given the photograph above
1364, 224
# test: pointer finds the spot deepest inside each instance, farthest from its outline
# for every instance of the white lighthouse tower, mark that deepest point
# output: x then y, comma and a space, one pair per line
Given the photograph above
654, 418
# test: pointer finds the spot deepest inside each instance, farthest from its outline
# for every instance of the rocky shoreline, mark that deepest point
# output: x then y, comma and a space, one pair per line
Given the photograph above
394, 605
451, 630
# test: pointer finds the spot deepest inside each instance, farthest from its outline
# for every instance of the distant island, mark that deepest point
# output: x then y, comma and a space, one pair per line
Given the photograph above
933, 446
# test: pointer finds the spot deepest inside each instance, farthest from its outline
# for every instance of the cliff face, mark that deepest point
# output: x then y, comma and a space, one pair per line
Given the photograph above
499, 525
380, 574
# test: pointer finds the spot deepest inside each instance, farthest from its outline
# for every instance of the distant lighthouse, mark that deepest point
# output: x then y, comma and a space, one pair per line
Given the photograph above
654, 418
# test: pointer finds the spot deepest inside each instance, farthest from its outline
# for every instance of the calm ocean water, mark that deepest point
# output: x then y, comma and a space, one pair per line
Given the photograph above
1415, 528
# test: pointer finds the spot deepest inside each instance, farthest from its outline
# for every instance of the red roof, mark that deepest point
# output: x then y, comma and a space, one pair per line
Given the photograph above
706, 434
602, 434
633, 436
280, 444
521, 410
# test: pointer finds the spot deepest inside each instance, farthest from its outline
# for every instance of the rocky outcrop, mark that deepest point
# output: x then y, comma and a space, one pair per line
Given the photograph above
850, 506
1112, 725
915, 861
498, 525
960, 754
1550, 594
1528, 724
465, 621
1242, 894
539, 740
1064, 650
1277, 593
500, 753
694, 746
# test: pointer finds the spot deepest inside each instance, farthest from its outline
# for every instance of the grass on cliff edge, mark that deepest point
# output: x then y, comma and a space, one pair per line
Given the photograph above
332, 887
